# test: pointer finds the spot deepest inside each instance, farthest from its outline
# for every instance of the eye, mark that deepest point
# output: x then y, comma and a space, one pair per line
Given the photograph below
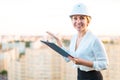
75, 18
82, 17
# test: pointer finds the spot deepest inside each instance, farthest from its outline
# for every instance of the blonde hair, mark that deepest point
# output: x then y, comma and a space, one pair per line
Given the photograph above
88, 18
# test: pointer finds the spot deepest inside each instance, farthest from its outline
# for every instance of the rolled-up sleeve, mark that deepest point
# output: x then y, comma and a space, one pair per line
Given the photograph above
101, 59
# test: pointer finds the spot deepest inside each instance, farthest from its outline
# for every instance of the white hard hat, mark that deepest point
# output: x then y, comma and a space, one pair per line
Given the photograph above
79, 9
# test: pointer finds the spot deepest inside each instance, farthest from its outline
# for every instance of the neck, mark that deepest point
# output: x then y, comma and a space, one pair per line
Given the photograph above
81, 34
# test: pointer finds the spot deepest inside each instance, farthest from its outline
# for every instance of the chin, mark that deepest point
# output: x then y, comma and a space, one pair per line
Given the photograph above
79, 30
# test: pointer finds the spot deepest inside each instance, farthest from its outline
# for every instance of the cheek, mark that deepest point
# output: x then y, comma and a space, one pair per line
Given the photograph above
74, 23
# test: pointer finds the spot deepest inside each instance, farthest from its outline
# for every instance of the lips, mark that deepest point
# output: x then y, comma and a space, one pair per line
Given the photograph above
79, 24
79, 27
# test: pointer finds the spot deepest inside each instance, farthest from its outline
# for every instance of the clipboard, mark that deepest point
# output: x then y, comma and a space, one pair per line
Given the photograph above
56, 48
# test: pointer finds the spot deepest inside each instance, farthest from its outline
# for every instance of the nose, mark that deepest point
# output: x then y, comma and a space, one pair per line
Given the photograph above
78, 21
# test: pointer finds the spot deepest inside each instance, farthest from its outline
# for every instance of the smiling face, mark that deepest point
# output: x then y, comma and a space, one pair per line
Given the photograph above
80, 22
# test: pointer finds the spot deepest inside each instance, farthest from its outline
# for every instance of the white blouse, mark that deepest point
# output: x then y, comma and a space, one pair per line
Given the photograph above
91, 49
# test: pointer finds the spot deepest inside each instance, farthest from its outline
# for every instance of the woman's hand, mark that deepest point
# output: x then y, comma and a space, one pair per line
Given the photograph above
56, 38
80, 61
74, 60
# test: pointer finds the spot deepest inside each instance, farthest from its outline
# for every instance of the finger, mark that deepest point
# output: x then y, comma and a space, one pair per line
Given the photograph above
70, 57
52, 35
49, 33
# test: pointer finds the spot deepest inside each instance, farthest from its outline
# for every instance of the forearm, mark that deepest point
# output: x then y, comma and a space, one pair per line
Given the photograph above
79, 61
56, 38
59, 43
86, 63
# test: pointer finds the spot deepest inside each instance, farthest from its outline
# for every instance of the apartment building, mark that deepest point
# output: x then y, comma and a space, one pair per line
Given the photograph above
37, 64
42, 63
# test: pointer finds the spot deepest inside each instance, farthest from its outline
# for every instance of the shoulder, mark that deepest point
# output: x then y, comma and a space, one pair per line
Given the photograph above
96, 41
93, 38
91, 35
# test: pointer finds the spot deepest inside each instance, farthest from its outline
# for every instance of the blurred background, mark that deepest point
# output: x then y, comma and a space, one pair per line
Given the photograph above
23, 23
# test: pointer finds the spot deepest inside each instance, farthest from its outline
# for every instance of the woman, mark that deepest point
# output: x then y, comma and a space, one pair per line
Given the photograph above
88, 51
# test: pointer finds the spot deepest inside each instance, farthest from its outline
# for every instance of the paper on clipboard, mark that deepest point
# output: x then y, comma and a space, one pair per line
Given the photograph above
56, 48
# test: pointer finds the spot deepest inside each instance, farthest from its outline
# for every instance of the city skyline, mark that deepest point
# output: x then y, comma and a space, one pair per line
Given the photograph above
44, 64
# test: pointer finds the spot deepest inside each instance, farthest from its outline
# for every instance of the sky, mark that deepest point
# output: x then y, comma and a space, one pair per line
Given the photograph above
35, 17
